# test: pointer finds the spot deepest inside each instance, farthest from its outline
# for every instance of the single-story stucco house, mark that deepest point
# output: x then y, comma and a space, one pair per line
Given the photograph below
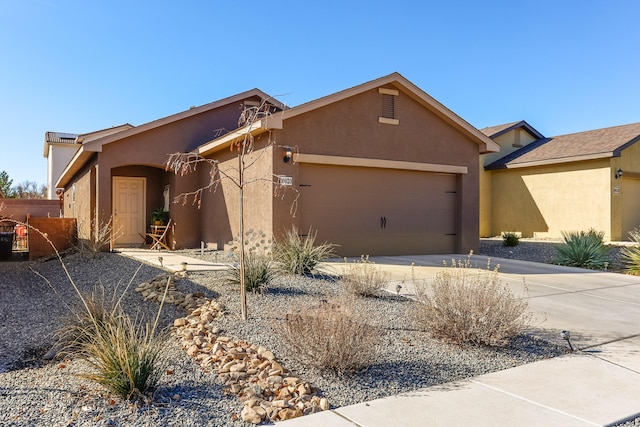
541, 186
380, 168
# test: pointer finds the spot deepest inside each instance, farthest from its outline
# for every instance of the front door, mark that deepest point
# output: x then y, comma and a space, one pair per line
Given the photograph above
128, 209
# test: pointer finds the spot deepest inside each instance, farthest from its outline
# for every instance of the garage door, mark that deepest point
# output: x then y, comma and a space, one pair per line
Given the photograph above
372, 211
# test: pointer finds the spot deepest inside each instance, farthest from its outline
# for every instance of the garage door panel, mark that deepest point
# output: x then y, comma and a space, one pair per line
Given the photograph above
345, 206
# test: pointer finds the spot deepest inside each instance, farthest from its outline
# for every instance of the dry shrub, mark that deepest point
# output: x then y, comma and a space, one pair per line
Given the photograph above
466, 305
101, 236
332, 334
363, 278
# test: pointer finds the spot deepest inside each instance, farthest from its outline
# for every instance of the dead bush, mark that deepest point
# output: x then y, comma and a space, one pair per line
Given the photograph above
466, 305
363, 278
333, 334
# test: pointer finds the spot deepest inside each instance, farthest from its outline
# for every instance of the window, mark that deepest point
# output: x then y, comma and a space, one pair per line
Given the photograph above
165, 196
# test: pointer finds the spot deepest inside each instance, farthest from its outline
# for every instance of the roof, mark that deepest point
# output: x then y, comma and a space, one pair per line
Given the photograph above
74, 138
588, 145
95, 144
397, 80
496, 131
58, 138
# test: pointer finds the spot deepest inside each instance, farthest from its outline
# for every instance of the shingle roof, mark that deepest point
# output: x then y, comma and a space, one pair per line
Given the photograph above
495, 131
598, 143
492, 130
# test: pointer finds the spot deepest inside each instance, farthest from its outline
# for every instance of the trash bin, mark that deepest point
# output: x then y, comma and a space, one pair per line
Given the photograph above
6, 244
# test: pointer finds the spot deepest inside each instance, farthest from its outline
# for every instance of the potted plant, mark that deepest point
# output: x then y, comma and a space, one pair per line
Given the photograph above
159, 217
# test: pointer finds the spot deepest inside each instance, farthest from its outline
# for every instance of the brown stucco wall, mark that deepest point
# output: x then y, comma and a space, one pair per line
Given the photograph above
220, 208
350, 128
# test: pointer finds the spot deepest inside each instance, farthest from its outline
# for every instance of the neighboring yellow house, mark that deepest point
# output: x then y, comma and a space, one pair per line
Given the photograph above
540, 187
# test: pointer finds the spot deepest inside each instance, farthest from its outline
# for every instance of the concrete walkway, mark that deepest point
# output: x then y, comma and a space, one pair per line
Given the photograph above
171, 261
597, 385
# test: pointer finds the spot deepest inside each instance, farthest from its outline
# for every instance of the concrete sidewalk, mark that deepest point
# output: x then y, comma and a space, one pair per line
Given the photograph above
597, 385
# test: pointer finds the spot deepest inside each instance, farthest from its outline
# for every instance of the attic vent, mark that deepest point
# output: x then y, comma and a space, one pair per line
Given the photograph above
388, 106
388, 115
516, 139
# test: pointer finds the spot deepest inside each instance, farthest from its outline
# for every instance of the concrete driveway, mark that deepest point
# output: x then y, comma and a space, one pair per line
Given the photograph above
597, 385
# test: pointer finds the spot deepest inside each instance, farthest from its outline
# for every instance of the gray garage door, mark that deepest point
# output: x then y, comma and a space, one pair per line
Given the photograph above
371, 211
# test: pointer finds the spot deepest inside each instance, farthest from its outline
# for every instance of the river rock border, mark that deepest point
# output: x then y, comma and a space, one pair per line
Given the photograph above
267, 389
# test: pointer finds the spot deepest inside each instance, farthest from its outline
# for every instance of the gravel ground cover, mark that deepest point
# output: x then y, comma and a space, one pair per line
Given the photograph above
34, 392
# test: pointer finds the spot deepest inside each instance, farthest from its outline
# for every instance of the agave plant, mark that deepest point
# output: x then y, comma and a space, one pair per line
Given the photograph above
631, 254
583, 249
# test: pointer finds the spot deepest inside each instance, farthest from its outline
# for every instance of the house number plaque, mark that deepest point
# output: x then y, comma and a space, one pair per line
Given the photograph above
286, 180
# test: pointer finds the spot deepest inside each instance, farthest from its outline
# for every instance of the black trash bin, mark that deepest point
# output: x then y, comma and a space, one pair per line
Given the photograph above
6, 244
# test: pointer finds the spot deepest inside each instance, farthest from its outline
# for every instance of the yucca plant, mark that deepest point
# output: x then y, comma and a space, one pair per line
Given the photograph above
300, 255
583, 249
631, 254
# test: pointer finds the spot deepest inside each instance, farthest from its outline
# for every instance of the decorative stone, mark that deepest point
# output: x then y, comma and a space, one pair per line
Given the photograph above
287, 414
324, 404
250, 416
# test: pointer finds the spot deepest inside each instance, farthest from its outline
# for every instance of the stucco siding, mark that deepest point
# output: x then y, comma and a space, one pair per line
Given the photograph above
546, 201
59, 157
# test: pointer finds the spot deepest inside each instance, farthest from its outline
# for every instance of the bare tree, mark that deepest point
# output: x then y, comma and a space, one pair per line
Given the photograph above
184, 163
30, 190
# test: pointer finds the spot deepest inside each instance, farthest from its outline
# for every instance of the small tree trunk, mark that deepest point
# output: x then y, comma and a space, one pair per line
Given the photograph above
243, 290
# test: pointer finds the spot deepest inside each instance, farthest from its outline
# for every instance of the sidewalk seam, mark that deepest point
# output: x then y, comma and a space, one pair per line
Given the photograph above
534, 403
344, 417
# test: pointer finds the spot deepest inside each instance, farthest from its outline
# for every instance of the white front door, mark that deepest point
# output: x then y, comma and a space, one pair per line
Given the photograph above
128, 209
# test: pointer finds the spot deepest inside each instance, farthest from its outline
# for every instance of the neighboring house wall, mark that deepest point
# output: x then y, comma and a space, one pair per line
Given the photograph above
509, 142
545, 201
57, 159
625, 192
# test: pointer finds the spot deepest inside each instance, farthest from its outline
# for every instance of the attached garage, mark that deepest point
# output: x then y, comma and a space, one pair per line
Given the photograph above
379, 211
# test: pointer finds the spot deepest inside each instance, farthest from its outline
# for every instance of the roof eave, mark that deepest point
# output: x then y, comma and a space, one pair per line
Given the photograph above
76, 163
521, 124
96, 145
225, 141
559, 160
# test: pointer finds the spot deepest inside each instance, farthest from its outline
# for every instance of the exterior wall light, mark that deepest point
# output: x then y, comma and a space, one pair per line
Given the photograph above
618, 173
288, 152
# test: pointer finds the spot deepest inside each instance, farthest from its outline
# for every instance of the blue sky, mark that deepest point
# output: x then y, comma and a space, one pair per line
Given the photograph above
79, 66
